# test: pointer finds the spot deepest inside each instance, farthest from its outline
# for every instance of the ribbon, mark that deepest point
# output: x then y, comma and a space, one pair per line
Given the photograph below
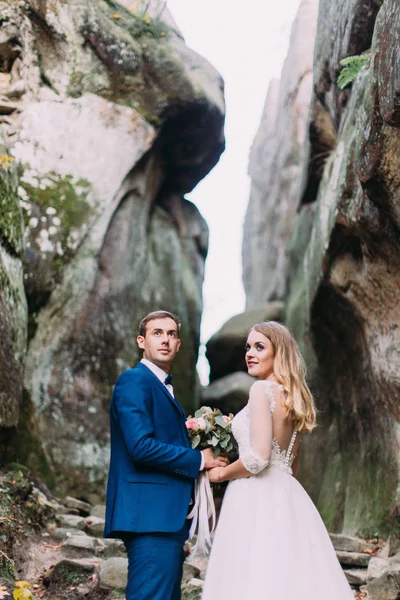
203, 510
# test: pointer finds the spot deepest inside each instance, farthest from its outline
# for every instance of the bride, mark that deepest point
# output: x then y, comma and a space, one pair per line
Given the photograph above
270, 541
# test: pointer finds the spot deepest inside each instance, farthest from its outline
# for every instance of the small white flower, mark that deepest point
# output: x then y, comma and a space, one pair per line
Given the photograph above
22, 193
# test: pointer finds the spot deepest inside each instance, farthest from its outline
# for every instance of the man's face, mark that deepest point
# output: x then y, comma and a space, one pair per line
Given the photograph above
160, 343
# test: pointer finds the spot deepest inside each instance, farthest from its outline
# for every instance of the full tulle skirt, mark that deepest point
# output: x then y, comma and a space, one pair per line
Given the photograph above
271, 544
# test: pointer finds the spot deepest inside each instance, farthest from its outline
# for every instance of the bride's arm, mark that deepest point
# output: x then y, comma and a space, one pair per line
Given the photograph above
258, 455
236, 470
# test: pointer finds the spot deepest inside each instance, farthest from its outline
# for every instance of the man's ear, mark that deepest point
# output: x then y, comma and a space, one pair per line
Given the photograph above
140, 341
178, 345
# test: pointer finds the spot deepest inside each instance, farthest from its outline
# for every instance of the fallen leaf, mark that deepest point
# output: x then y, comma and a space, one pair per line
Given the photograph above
22, 593
117, 16
22, 584
3, 592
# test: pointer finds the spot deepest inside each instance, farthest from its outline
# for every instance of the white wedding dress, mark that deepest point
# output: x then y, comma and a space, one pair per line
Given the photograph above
270, 542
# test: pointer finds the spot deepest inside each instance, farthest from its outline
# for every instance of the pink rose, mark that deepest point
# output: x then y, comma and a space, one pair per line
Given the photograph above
201, 424
226, 419
191, 424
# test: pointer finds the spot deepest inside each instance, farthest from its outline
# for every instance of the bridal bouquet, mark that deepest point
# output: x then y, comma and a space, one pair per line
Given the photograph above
208, 428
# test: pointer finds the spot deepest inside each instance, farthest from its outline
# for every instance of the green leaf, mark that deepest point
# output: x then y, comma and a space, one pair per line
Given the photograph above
352, 65
214, 440
196, 441
224, 443
221, 422
198, 413
217, 452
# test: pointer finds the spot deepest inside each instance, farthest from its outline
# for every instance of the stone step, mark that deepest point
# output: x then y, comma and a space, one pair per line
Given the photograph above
59, 534
110, 547
83, 508
71, 521
99, 510
353, 559
385, 587
379, 566
114, 573
80, 546
356, 576
71, 570
348, 543
94, 526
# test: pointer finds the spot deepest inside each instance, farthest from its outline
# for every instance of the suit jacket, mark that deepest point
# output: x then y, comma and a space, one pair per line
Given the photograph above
152, 464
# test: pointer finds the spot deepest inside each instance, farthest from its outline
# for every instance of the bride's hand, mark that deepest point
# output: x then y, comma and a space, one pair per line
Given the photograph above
216, 475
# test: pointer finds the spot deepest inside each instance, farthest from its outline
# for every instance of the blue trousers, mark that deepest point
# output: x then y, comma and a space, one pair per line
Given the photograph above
155, 563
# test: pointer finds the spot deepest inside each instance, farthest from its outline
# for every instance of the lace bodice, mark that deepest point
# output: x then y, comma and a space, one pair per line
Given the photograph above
252, 458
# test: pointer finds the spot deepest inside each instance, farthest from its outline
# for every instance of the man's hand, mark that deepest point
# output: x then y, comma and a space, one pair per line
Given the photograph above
210, 462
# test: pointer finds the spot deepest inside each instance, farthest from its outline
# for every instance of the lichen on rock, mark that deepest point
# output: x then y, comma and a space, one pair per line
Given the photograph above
12, 298
116, 123
341, 274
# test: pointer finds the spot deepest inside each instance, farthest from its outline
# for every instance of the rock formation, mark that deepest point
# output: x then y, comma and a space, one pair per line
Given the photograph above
13, 310
342, 274
111, 120
225, 349
275, 167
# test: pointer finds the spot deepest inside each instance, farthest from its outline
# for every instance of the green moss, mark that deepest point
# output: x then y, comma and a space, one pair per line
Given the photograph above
7, 287
76, 85
69, 198
143, 70
118, 593
81, 82
127, 92
138, 23
71, 575
331, 499
371, 490
11, 221
67, 195
20, 513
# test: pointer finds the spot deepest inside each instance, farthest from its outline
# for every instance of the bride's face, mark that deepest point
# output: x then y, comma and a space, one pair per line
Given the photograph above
259, 355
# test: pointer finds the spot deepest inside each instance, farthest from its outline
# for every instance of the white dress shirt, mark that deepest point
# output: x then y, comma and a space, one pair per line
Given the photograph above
161, 375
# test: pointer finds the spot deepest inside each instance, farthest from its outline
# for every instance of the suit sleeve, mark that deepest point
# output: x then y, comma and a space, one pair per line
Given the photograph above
132, 405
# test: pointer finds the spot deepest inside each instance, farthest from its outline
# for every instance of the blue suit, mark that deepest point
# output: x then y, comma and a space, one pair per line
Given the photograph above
150, 482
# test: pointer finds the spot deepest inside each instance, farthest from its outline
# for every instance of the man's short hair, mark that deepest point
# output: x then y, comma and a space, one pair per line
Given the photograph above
157, 314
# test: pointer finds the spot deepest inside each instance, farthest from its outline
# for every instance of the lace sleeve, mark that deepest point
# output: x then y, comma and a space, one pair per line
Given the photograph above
258, 455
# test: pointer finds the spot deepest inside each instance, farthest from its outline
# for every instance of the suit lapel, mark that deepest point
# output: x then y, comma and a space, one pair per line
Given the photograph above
163, 388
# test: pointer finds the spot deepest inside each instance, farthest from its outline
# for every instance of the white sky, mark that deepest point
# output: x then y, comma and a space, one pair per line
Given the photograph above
247, 43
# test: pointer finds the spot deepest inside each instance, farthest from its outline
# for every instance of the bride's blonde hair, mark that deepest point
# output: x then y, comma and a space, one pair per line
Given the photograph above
290, 372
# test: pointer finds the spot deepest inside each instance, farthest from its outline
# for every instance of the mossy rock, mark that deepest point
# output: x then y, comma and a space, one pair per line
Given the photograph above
21, 513
11, 221
68, 196
58, 214
69, 572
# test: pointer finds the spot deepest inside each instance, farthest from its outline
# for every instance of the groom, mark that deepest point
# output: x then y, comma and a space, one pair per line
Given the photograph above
152, 466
